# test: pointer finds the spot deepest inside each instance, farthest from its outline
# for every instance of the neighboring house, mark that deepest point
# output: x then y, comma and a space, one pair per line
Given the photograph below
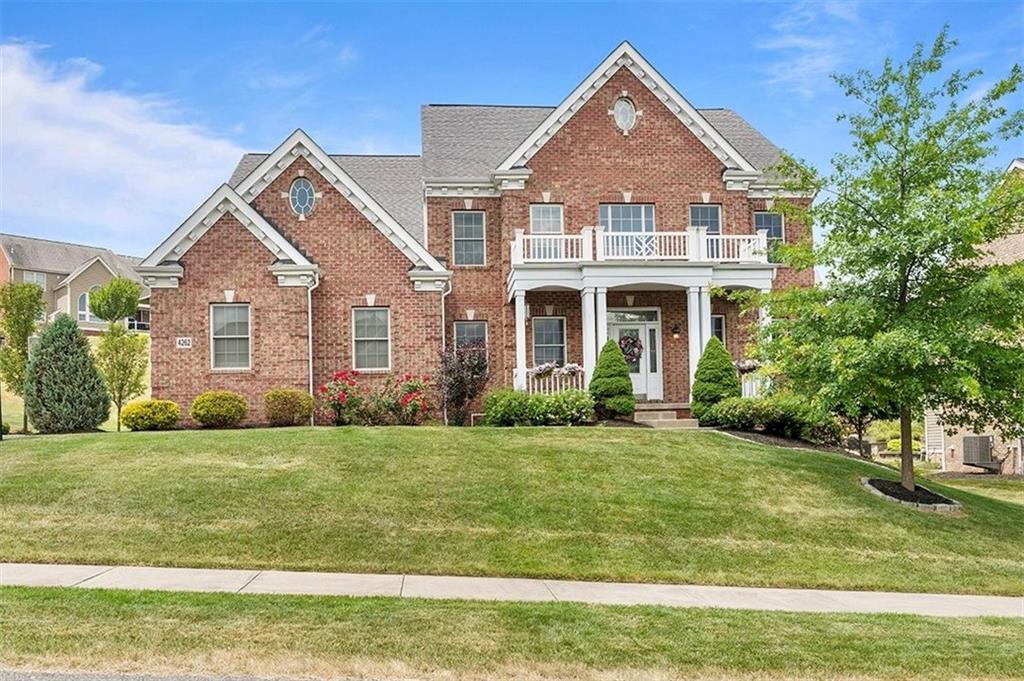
960, 450
67, 273
542, 231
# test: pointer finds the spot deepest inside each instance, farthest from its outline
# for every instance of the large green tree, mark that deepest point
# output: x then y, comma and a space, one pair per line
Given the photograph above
910, 316
21, 306
122, 356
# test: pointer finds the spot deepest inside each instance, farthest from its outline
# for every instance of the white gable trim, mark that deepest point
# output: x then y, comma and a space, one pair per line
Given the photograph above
301, 145
222, 202
82, 268
626, 56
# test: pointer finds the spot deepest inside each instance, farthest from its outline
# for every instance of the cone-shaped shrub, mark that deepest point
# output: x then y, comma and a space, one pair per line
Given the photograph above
64, 391
610, 385
715, 379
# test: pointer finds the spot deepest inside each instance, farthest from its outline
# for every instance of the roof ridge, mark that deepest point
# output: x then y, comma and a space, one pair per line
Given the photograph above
56, 241
496, 106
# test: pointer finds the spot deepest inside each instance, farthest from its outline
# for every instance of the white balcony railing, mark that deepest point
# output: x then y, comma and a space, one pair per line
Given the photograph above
693, 245
552, 383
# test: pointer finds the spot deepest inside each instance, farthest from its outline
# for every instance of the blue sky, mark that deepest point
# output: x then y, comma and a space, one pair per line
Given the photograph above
119, 119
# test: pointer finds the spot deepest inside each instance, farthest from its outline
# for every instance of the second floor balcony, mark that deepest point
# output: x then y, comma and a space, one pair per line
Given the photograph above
597, 244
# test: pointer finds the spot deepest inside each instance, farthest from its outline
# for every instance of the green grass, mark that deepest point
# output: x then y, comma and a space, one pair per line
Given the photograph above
1007, 489
296, 636
584, 503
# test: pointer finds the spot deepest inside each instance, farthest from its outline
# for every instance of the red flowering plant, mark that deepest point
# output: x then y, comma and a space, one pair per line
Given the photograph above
342, 399
407, 399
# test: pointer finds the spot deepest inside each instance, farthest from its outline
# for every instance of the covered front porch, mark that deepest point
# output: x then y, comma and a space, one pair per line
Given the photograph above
669, 325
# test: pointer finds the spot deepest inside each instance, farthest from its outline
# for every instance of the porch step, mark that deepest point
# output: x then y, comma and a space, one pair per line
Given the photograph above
655, 415
661, 410
660, 406
668, 423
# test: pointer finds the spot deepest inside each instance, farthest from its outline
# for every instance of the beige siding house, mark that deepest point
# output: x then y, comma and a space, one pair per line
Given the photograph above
67, 274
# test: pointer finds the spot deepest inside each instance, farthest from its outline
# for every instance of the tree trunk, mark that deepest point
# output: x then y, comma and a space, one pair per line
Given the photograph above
24, 422
119, 418
906, 451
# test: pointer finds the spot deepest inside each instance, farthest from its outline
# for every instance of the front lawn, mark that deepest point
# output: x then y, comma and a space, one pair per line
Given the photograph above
585, 503
1007, 489
323, 637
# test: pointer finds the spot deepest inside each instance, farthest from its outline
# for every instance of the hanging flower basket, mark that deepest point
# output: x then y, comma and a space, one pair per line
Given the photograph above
541, 370
570, 370
746, 366
632, 348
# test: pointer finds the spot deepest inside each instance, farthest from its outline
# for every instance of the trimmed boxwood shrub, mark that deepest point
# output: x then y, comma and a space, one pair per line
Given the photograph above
218, 409
787, 416
151, 415
5, 428
506, 407
515, 408
64, 391
287, 407
610, 385
714, 380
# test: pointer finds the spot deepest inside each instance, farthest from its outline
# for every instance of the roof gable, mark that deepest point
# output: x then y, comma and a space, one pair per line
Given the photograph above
224, 200
300, 145
58, 257
626, 56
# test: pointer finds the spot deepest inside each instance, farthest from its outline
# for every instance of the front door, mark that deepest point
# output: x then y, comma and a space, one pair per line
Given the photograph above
645, 366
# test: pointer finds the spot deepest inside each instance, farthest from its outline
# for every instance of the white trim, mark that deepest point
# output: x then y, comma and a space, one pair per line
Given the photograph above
224, 200
626, 56
1016, 164
533, 337
487, 332
658, 391
711, 331
213, 367
301, 145
82, 268
484, 237
373, 370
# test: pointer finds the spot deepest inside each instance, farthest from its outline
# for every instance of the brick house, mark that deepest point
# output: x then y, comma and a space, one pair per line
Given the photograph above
542, 230
960, 450
67, 273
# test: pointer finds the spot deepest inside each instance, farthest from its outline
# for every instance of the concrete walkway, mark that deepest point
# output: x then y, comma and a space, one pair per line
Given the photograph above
505, 589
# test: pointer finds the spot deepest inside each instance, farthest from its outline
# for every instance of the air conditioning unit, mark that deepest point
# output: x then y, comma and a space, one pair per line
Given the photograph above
978, 451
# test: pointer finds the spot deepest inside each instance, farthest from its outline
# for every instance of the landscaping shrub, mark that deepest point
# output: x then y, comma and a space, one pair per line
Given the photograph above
64, 391
610, 385
218, 409
714, 380
287, 407
461, 378
5, 428
405, 401
787, 416
572, 407
342, 399
151, 415
506, 407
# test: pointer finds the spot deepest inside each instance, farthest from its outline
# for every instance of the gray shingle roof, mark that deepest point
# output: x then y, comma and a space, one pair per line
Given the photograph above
394, 181
469, 141
30, 253
751, 144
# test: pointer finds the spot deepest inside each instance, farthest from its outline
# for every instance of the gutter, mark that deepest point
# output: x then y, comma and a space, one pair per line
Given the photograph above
309, 336
444, 329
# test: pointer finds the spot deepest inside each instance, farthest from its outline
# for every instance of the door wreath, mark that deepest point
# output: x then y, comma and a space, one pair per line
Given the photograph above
631, 348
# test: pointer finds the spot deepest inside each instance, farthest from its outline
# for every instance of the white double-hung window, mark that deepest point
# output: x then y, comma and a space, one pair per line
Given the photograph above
470, 334
708, 216
549, 340
546, 223
774, 225
469, 246
37, 278
230, 337
371, 338
630, 228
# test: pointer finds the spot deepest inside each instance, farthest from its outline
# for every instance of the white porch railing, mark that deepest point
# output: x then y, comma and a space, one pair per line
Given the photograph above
753, 385
694, 245
553, 383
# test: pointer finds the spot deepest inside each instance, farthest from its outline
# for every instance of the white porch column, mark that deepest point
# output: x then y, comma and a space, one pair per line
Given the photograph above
589, 333
693, 334
705, 316
520, 370
602, 318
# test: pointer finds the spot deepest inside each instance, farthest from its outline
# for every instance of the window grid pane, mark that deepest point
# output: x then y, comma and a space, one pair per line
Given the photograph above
718, 327
467, 333
627, 217
549, 340
230, 332
705, 216
371, 338
546, 219
468, 238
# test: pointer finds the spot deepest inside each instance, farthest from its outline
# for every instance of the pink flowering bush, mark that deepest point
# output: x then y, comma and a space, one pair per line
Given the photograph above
405, 401
342, 399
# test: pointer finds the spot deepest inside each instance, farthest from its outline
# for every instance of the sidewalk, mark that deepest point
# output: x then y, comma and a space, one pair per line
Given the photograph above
505, 589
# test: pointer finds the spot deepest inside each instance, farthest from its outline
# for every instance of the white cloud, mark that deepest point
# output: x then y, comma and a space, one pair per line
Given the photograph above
812, 40
347, 54
95, 165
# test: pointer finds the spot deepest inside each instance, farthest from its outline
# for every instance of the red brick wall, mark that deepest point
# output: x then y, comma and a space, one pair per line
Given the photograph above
228, 257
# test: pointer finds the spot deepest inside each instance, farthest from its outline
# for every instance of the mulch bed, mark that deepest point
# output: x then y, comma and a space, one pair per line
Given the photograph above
920, 495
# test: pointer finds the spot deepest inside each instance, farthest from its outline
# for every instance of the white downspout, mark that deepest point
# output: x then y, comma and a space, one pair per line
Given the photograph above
444, 334
309, 336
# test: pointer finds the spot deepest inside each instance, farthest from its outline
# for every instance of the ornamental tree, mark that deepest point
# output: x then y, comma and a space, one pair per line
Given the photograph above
123, 357
461, 378
610, 386
21, 306
116, 300
64, 391
910, 314
714, 380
